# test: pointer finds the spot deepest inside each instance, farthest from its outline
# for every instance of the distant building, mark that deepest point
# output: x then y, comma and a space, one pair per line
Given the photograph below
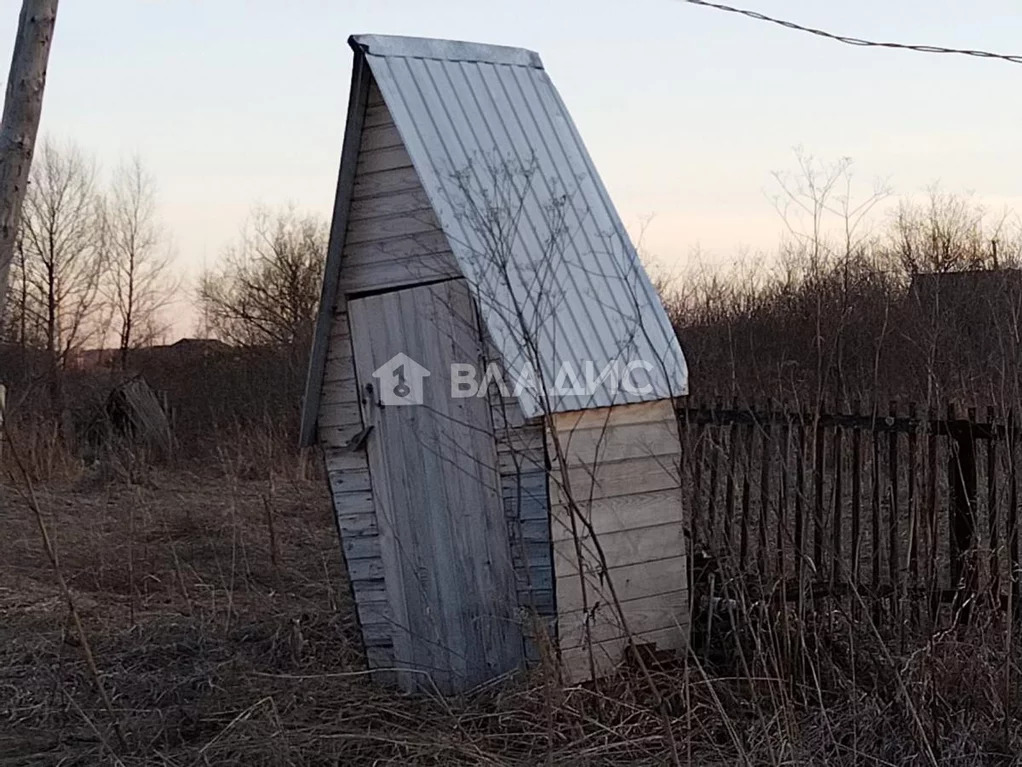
978, 299
185, 348
973, 284
193, 348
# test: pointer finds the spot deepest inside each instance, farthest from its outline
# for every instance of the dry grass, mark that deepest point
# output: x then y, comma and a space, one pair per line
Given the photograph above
217, 646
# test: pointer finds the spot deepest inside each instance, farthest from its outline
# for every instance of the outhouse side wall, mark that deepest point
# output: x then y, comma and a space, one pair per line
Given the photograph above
621, 465
522, 462
340, 421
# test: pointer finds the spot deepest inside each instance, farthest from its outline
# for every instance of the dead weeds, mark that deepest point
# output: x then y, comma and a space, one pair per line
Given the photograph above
221, 641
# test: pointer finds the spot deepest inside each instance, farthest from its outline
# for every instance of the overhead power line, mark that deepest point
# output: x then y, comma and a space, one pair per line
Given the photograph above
856, 40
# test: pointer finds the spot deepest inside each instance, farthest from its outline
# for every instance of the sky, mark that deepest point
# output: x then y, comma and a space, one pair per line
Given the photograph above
686, 110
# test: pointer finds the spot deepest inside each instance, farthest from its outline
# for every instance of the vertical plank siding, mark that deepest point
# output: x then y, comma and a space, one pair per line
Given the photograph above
450, 582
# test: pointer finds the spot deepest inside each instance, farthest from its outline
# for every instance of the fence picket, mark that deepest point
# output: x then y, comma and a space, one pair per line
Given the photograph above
764, 490
992, 531
729, 488
836, 575
711, 506
747, 440
932, 530
875, 539
806, 475
1013, 510
894, 537
696, 451
856, 544
800, 479
782, 498
818, 520
913, 512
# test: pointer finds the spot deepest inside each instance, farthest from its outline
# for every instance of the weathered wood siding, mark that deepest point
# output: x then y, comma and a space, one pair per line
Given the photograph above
622, 468
387, 245
450, 585
521, 457
340, 420
393, 237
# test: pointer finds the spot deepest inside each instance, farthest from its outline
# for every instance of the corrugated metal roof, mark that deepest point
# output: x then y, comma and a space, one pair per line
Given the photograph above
497, 151
528, 218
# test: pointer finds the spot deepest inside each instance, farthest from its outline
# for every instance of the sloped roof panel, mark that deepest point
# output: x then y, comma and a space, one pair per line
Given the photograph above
558, 282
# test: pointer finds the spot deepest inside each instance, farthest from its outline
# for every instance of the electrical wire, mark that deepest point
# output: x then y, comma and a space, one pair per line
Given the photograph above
856, 40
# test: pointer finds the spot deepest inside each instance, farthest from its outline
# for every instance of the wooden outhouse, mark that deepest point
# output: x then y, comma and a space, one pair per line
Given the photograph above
492, 380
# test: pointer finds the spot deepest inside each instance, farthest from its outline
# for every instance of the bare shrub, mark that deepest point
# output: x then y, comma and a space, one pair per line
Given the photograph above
917, 310
266, 289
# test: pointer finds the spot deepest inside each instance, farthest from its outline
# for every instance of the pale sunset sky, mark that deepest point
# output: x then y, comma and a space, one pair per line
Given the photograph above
685, 110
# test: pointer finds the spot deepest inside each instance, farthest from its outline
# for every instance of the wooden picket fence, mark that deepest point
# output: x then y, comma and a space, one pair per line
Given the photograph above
903, 509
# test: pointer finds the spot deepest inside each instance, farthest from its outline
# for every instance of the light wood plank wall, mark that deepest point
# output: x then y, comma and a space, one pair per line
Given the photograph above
392, 240
622, 466
393, 237
443, 535
340, 420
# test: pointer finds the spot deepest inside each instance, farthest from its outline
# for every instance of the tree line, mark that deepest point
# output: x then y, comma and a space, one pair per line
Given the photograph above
95, 267
869, 297
840, 312
90, 262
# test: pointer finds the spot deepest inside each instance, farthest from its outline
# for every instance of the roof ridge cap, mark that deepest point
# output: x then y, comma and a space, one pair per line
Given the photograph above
444, 50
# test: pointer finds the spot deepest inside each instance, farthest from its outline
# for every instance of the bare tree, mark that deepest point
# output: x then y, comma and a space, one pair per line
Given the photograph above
23, 105
946, 233
14, 326
266, 289
138, 285
64, 232
826, 219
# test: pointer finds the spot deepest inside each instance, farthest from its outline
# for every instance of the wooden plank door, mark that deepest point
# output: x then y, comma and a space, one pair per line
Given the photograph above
444, 542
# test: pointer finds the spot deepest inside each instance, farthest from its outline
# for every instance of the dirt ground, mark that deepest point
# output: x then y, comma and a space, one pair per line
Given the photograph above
194, 610
221, 629
218, 641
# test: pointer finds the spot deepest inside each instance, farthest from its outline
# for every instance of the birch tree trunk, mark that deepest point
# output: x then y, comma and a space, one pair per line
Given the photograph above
23, 106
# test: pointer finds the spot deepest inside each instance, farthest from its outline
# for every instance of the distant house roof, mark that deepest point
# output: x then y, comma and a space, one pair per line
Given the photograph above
199, 345
486, 130
972, 296
971, 282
